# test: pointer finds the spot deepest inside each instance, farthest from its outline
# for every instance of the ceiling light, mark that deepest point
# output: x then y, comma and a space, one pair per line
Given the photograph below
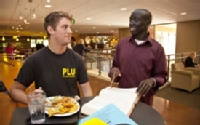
3, 38
14, 37
21, 17
26, 22
47, 6
183, 13
48, 1
33, 16
13, 27
97, 32
89, 18
93, 27
123, 9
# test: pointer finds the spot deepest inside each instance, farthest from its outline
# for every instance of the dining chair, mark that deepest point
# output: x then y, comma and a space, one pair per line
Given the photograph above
3, 88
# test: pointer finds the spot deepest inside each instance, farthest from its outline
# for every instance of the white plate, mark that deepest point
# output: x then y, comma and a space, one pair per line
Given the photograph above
65, 114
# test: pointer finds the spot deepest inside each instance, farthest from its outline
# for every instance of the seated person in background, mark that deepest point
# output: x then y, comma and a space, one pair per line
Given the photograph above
189, 61
56, 69
9, 49
80, 48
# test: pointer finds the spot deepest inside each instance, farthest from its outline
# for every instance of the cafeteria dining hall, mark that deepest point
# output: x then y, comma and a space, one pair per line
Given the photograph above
108, 62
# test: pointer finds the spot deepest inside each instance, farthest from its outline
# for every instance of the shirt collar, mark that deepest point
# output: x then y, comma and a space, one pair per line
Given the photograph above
149, 39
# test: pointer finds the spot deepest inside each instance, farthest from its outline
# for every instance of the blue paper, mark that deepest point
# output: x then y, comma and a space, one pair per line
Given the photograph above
110, 115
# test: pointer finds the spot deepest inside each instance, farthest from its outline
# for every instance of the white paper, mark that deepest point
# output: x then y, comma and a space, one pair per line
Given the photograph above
121, 98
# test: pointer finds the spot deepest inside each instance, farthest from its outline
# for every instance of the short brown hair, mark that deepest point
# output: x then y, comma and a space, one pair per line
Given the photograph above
193, 54
80, 41
53, 18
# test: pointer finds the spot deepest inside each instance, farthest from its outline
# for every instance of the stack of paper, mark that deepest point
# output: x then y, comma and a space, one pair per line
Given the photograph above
123, 99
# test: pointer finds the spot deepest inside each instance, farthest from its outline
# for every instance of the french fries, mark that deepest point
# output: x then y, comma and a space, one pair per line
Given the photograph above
61, 106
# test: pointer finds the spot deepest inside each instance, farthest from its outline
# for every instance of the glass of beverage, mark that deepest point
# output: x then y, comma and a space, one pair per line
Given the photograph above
36, 106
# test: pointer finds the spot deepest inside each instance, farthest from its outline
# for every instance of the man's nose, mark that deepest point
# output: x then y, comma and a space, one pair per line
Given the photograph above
69, 30
132, 22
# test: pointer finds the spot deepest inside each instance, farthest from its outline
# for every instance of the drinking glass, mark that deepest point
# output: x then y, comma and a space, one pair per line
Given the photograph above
36, 106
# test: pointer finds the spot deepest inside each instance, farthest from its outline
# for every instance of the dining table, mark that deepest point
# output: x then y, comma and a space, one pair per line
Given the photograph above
142, 114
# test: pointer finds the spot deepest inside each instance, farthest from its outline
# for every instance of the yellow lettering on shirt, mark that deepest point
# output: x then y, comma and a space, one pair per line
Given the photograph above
69, 72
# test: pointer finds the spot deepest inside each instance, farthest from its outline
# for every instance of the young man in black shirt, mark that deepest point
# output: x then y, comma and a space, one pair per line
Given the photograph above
56, 69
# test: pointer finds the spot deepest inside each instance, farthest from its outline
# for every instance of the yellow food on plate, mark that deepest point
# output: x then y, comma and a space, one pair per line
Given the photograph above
61, 105
74, 108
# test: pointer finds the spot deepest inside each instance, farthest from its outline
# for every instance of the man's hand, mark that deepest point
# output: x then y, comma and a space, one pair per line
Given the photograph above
38, 90
145, 86
115, 73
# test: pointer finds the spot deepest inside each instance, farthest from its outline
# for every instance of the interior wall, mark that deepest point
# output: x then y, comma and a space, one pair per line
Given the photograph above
188, 36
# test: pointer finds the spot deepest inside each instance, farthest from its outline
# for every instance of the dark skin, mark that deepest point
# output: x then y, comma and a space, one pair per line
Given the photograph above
139, 22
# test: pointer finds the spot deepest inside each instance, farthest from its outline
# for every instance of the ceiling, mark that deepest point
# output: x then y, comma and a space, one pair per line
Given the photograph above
106, 14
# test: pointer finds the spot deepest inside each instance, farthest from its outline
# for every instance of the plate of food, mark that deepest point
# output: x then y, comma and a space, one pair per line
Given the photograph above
61, 106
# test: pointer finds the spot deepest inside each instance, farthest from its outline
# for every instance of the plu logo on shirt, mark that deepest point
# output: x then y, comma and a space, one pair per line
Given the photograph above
69, 72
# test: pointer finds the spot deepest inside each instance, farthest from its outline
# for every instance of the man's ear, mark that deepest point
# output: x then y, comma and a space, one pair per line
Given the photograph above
148, 22
50, 30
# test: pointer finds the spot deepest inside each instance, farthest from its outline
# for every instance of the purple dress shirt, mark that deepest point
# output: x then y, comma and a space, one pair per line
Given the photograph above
140, 62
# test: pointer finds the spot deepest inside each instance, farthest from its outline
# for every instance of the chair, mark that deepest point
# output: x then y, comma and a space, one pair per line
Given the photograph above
3, 88
185, 78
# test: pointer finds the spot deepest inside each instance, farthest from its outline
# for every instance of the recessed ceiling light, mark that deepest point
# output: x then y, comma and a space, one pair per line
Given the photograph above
123, 9
89, 18
47, 6
183, 13
13, 27
97, 32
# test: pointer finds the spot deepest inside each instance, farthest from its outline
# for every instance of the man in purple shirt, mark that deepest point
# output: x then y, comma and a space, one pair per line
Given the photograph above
140, 60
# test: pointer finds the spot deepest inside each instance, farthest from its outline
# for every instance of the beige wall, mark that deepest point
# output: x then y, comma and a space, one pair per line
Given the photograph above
124, 32
188, 36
